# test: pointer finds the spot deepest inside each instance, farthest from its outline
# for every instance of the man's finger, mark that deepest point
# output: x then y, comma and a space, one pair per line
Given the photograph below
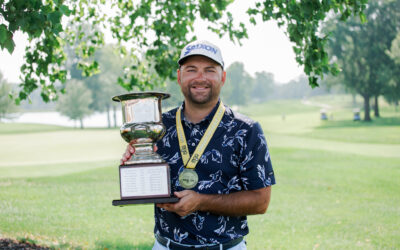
165, 206
179, 194
182, 193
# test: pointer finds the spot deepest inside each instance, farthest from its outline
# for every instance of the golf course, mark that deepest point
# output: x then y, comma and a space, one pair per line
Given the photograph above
338, 182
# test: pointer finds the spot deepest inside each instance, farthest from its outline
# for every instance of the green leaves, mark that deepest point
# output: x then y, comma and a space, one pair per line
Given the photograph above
361, 46
303, 20
363, 18
169, 24
54, 17
9, 45
65, 10
3, 33
6, 39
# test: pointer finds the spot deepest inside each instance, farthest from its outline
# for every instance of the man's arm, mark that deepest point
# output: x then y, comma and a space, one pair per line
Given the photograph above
235, 204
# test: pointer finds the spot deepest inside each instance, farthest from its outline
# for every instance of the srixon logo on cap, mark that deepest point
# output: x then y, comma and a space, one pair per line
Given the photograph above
200, 46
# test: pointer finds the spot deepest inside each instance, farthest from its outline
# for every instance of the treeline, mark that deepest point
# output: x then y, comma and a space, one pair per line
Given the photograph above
368, 53
7, 106
241, 88
86, 95
82, 96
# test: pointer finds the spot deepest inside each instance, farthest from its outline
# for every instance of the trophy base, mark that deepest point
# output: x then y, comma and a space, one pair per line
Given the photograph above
127, 202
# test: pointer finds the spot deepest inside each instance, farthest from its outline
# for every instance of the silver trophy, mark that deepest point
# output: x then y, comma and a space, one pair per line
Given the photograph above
145, 177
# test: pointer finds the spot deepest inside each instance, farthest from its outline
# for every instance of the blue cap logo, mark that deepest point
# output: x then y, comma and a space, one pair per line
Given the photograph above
203, 48
200, 46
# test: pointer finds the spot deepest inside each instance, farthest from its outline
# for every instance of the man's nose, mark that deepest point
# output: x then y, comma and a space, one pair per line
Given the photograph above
201, 75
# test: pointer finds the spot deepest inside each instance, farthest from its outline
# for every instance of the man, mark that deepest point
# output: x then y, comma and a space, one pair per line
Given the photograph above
220, 164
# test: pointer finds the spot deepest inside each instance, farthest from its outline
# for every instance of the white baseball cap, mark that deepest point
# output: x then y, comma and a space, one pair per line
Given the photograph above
202, 48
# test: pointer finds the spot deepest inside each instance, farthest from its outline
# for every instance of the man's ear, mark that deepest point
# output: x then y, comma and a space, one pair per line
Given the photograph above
178, 76
223, 77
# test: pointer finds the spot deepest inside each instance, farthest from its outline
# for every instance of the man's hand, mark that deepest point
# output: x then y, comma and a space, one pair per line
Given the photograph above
188, 203
130, 150
235, 204
128, 153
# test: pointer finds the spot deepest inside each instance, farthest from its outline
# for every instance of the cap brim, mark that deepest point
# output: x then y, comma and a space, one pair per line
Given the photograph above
183, 59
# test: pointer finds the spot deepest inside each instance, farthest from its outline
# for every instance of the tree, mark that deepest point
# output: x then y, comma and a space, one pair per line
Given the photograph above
394, 51
392, 90
171, 87
303, 20
167, 23
263, 86
6, 103
104, 85
75, 103
238, 85
298, 89
72, 49
360, 50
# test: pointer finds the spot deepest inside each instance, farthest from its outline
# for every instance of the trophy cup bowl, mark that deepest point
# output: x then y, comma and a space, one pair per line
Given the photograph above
144, 178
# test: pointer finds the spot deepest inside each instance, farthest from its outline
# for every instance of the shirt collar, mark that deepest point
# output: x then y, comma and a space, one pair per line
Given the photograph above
207, 119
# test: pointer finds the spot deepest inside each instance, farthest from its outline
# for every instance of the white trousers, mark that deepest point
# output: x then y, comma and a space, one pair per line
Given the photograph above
240, 246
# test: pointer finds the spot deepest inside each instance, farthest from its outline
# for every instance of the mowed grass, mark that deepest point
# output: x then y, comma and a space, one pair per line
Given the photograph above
330, 201
337, 184
15, 128
60, 146
73, 210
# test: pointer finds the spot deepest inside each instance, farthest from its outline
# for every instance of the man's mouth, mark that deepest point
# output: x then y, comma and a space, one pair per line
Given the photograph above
199, 87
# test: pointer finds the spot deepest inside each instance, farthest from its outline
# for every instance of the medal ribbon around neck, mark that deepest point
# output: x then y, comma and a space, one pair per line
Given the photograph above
191, 162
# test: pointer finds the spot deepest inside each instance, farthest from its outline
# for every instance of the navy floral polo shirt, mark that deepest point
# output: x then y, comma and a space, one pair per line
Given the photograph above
237, 158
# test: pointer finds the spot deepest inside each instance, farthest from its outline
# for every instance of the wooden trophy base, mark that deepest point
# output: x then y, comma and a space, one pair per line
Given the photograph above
144, 183
128, 202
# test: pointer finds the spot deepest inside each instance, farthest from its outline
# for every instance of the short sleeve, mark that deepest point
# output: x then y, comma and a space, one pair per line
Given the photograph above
255, 162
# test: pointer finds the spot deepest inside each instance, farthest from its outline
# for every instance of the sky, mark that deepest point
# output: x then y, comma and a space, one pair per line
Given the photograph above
267, 49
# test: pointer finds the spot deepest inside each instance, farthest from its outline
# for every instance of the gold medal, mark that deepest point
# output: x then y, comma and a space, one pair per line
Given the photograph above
188, 178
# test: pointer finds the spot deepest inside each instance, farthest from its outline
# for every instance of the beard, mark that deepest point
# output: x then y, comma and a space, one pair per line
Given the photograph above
196, 99
200, 98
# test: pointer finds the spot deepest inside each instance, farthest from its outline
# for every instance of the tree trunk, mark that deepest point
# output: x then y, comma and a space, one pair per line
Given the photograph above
108, 117
396, 105
115, 115
81, 122
367, 117
376, 107
354, 99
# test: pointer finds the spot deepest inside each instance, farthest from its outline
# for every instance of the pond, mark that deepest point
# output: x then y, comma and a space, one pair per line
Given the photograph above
96, 120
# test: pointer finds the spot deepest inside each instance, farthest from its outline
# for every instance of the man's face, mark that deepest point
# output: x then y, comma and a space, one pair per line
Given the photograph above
201, 80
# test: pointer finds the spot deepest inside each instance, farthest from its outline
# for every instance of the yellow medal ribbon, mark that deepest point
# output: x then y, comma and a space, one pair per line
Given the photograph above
190, 162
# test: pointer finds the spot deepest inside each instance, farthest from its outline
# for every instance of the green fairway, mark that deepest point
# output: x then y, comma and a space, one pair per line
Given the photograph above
337, 183
65, 146
15, 128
